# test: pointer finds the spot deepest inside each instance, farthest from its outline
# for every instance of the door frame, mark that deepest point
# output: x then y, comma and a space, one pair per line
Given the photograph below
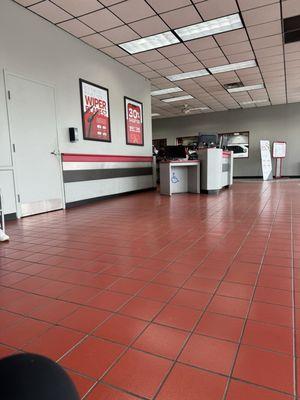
6, 74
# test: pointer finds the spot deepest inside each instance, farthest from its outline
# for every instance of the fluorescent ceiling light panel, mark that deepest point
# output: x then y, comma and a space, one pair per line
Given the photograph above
155, 115
171, 99
246, 88
166, 91
197, 108
232, 67
150, 42
254, 102
188, 75
212, 27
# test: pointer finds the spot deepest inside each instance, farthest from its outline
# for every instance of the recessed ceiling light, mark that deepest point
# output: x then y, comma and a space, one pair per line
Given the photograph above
232, 67
212, 27
196, 109
166, 91
150, 42
246, 88
188, 75
254, 102
155, 115
171, 99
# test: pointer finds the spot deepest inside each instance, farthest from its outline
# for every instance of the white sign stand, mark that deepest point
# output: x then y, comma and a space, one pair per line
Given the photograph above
266, 161
279, 153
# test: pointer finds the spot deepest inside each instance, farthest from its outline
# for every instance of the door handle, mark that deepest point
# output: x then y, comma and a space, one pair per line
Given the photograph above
55, 153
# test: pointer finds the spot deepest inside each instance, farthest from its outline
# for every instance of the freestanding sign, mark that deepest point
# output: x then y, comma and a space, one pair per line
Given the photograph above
134, 122
266, 161
95, 112
279, 153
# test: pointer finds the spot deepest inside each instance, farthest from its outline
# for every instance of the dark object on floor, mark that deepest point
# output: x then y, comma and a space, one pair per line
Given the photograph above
34, 377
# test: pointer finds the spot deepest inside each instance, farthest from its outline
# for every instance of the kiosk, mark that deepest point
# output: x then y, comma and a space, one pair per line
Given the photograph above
216, 169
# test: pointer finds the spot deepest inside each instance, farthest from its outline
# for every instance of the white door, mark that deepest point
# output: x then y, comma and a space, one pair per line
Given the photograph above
32, 119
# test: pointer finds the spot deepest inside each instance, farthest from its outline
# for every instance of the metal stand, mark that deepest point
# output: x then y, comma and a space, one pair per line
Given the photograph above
2, 223
278, 168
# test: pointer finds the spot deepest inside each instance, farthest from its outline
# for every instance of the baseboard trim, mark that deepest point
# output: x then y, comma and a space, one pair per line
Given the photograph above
203, 191
99, 198
260, 177
10, 217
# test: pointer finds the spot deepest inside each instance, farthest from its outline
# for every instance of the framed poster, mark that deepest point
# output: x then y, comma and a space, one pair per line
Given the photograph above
134, 122
95, 112
279, 149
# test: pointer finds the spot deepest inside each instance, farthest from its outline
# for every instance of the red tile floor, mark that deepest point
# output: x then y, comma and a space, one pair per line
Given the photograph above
147, 297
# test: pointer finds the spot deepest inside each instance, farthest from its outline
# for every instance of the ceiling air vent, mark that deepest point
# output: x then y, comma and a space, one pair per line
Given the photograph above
233, 85
291, 29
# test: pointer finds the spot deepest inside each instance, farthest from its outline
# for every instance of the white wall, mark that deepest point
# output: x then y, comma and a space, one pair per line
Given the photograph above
271, 123
35, 49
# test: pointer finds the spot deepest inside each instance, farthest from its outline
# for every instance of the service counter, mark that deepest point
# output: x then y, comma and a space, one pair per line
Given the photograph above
216, 169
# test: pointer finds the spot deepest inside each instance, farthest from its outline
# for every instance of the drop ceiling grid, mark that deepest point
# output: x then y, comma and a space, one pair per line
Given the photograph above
104, 24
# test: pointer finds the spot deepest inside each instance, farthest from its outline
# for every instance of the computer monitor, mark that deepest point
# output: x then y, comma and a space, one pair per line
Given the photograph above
208, 140
175, 152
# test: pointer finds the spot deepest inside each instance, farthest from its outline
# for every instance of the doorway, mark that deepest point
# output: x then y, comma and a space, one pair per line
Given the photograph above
33, 130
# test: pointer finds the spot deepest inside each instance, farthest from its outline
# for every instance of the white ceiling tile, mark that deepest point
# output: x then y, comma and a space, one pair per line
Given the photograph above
162, 83
236, 48
271, 67
76, 28
292, 56
201, 44
290, 8
182, 17
96, 41
191, 67
270, 51
164, 5
149, 26
169, 71
183, 59
292, 47
132, 10
140, 68
231, 37
215, 62
249, 4
268, 29
160, 64
78, 7
25, 3
215, 8
50, 11
128, 60
209, 53
262, 15
148, 56
114, 51
174, 50
150, 74
266, 42
120, 34
108, 3
235, 58
227, 77
270, 60
101, 20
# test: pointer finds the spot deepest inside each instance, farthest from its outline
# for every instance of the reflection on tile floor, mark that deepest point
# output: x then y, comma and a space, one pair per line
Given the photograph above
147, 297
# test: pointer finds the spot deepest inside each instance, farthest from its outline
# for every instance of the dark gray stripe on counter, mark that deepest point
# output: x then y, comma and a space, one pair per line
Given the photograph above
96, 174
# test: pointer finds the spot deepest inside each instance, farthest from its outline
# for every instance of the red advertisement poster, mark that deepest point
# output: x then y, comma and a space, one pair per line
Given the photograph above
95, 112
134, 122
